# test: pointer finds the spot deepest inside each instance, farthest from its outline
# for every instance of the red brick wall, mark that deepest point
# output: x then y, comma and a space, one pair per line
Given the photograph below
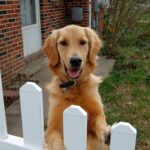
52, 16
11, 46
84, 5
100, 18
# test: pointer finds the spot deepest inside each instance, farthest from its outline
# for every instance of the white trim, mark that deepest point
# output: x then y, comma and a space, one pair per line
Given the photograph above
29, 26
90, 11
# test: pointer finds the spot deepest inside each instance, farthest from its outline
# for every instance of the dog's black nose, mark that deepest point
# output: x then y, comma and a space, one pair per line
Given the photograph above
75, 62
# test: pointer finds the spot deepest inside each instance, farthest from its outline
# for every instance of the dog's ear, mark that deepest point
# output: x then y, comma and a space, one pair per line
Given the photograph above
50, 48
95, 44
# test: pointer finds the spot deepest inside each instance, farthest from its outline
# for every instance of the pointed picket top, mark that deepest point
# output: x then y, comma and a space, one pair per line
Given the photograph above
31, 87
31, 99
124, 127
75, 111
75, 128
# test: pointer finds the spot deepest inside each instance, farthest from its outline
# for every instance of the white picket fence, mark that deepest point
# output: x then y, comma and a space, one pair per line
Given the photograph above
123, 135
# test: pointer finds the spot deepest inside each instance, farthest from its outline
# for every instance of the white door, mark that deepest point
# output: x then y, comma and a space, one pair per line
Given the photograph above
31, 29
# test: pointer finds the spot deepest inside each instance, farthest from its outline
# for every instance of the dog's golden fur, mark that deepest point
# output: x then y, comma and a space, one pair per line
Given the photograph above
60, 46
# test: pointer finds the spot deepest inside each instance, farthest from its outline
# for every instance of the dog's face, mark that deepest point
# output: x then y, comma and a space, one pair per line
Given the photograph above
72, 50
72, 45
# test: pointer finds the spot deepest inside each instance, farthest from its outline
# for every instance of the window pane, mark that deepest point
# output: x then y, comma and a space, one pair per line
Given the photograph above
33, 13
28, 13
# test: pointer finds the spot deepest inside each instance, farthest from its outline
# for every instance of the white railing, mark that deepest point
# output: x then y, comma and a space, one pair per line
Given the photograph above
32, 120
123, 135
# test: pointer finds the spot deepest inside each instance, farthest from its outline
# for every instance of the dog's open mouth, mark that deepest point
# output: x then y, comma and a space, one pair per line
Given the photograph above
73, 73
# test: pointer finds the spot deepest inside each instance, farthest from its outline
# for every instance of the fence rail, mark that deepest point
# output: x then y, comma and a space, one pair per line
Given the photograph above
123, 135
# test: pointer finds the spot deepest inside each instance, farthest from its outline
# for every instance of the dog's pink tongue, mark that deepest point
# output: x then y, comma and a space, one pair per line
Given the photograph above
73, 73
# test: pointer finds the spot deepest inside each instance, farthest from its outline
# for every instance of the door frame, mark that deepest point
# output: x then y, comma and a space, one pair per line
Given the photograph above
38, 24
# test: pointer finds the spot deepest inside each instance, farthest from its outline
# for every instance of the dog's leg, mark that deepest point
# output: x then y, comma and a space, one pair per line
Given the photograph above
92, 143
54, 131
107, 137
54, 141
96, 134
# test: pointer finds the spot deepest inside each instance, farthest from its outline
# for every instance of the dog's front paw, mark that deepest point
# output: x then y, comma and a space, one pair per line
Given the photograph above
107, 135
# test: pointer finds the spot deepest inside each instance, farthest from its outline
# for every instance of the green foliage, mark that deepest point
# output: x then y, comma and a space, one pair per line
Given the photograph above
126, 96
122, 25
107, 33
126, 92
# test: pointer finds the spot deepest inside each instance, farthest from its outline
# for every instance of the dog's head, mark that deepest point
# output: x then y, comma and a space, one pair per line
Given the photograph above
72, 51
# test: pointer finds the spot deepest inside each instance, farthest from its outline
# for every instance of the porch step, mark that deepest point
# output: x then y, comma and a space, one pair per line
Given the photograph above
35, 67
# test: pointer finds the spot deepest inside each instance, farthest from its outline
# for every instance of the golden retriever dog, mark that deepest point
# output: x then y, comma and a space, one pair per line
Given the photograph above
72, 54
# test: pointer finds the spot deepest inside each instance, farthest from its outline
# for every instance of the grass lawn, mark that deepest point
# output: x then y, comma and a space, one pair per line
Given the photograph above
126, 92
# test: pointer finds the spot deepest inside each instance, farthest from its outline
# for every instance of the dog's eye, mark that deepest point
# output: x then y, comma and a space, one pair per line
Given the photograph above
63, 43
82, 42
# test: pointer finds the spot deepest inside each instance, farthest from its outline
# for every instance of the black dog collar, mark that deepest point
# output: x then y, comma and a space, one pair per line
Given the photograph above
67, 84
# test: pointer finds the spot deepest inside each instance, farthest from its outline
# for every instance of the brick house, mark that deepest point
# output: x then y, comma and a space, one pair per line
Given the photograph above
24, 25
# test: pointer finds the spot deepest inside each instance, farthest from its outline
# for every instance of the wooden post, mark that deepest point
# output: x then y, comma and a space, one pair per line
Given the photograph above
75, 128
3, 127
32, 115
123, 137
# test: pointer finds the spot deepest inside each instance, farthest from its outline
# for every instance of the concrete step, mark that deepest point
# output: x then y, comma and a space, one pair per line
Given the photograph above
35, 67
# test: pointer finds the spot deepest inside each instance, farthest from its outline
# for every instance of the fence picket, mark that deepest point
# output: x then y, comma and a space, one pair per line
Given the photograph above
75, 128
3, 127
123, 137
32, 115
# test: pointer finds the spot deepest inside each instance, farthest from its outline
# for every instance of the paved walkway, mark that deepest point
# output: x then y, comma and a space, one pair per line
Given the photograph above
104, 67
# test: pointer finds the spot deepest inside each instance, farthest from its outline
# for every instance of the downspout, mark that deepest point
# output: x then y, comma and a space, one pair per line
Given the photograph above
90, 10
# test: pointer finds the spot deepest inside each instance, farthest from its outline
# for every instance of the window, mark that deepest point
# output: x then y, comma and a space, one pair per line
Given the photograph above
28, 12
